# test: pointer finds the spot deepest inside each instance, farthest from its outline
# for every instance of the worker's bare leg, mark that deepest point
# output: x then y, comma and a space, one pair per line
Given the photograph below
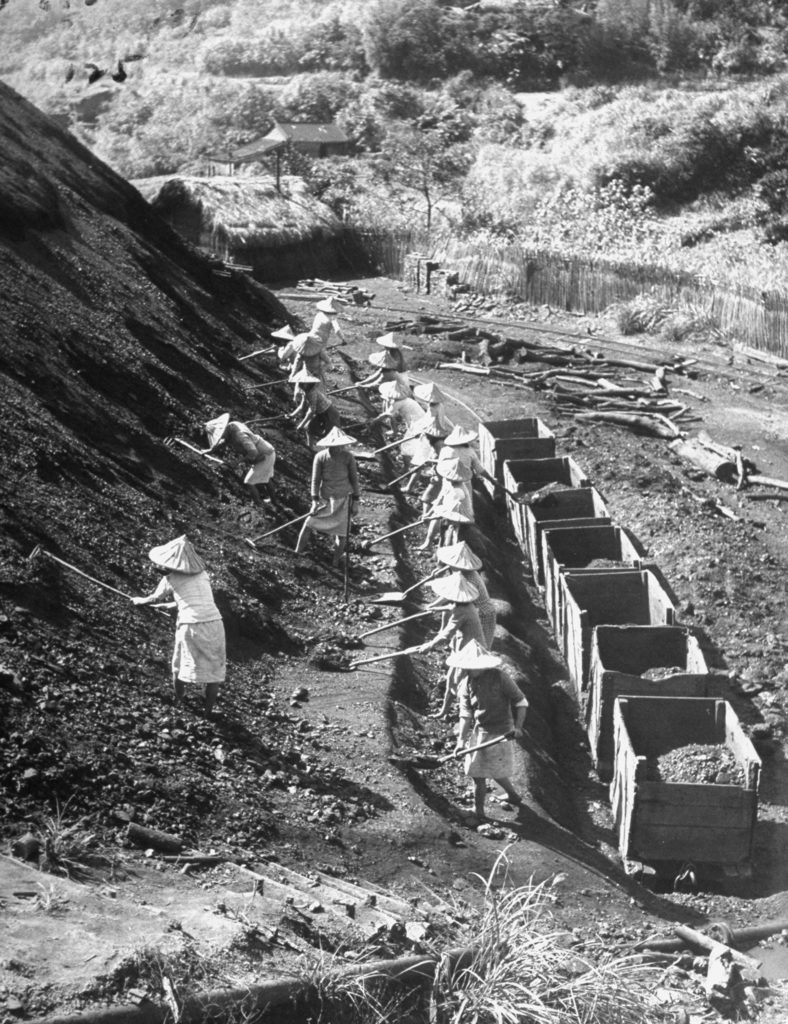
178, 686
479, 793
432, 529
211, 693
448, 694
302, 539
511, 792
252, 488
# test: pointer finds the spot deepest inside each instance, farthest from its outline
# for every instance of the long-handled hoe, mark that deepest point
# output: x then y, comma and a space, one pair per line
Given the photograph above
40, 550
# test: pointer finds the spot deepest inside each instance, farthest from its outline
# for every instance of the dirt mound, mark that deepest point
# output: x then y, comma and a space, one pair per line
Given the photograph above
697, 763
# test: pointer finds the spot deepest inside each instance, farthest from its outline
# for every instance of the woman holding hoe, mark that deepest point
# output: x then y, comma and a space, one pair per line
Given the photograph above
199, 654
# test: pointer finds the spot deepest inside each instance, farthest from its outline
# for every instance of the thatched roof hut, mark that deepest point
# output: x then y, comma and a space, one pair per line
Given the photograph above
233, 214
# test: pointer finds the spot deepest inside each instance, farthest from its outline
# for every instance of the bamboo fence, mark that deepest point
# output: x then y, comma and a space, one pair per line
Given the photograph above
755, 318
543, 278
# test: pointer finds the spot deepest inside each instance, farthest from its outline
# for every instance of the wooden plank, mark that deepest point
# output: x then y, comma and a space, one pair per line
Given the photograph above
708, 845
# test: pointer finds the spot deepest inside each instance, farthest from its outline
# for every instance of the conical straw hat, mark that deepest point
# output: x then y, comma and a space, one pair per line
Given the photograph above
461, 435
284, 333
177, 555
304, 377
453, 470
393, 389
429, 392
430, 425
382, 360
215, 429
335, 438
387, 340
307, 344
458, 556
473, 656
454, 587
330, 305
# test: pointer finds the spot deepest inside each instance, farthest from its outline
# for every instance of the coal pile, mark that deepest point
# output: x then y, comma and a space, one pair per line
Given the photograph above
695, 764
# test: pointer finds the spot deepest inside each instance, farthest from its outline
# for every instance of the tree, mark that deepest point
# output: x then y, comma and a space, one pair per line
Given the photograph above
405, 39
423, 162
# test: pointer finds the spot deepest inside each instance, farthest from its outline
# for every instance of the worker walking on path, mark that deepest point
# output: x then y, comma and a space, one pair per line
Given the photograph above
491, 705
335, 492
461, 558
258, 453
320, 415
326, 322
199, 655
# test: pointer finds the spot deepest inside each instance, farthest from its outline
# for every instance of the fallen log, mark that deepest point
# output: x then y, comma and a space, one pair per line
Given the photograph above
646, 423
152, 838
697, 939
710, 462
767, 481
765, 496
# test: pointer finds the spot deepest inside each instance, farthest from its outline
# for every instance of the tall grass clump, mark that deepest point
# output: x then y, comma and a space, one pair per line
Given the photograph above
525, 969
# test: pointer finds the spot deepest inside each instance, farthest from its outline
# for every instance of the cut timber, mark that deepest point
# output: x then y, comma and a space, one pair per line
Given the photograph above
767, 481
695, 938
710, 462
151, 838
658, 426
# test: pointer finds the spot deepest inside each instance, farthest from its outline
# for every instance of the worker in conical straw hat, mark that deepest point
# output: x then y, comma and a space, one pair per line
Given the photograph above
259, 454
460, 624
457, 445
453, 494
434, 399
399, 409
308, 352
460, 557
199, 654
335, 491
392, 346
491, 705
386, 368
432, 430
326, 322
320, 415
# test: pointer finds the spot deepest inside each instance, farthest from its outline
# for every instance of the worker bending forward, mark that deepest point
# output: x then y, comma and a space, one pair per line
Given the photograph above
199, 654
335, 491
491, 705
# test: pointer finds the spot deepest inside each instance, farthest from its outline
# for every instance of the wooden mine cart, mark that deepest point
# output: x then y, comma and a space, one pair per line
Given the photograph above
619, 656
667, 823
500, 440
524, 475
630, 597
575, 506
571, 548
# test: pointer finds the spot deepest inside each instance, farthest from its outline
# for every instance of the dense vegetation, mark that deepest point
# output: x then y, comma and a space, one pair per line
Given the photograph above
571, 126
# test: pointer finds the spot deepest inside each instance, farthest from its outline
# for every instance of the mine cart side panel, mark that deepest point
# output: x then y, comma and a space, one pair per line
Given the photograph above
567, 548
531, 474
619, 598
605, 686
574, 506
499, 440
674, 822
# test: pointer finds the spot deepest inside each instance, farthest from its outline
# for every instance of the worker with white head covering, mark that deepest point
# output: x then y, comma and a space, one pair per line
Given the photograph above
326, 322
491, 706
389, 365
458, 446
335, 491
453, 494
199, 654
259, 455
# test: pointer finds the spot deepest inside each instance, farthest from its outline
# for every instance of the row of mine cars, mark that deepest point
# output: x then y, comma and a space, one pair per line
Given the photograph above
642, 680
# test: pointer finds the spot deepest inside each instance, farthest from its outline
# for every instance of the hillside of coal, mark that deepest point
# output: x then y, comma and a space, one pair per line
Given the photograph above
116, 336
